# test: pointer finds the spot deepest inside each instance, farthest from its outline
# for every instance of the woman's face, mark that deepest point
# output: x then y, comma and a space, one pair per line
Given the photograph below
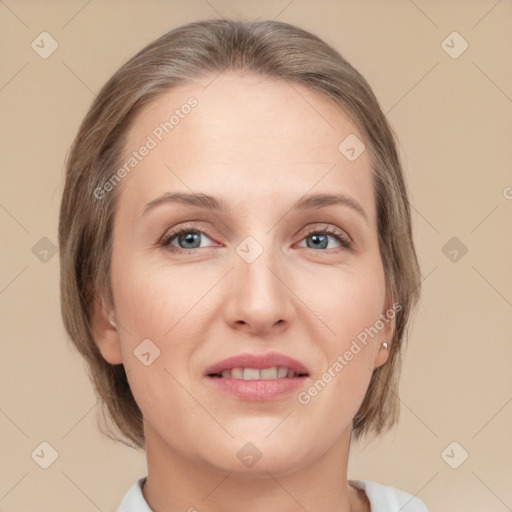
262, 271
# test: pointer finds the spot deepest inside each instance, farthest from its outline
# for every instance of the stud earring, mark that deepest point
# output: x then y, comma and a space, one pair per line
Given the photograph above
112, 323
385, 346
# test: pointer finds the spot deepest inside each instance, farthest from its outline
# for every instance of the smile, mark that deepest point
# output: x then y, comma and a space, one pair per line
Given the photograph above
258, 374
257, 377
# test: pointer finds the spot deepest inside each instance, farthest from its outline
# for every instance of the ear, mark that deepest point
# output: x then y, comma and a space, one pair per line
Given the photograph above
386, 334
382, 354
105, 332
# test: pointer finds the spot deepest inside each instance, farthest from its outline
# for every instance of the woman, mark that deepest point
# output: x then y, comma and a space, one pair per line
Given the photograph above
238, 269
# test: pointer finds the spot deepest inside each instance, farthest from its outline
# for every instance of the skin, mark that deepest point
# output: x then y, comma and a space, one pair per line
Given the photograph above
260, 144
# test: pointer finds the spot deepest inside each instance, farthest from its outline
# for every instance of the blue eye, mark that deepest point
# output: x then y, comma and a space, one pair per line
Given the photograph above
187, 239
320, 238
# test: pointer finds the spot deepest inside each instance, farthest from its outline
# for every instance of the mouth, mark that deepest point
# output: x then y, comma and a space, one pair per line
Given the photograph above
274, 372
257, 377
269, 366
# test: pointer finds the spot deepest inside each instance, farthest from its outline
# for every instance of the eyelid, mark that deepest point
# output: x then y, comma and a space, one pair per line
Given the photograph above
341, 236
189, 226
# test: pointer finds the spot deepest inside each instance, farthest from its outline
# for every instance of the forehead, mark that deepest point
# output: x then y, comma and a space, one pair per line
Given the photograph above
247, 137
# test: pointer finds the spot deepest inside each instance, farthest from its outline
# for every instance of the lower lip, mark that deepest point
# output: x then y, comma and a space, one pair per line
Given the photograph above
261, 390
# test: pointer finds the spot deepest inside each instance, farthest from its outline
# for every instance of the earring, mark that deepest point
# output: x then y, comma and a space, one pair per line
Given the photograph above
385, 346
111, 322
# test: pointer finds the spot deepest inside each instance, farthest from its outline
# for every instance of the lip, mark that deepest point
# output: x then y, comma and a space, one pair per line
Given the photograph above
258, 361
261, 389
258, 390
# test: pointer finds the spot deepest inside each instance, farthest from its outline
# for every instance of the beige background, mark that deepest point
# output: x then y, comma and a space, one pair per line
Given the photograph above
453, 119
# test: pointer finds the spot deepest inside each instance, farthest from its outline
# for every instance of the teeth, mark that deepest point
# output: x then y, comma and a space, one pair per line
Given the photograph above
282, 373
269, 373
251, 374
256, 374
237, 373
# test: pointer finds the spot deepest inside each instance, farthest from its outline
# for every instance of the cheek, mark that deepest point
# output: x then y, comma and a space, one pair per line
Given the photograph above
164, 305
349, 304
154, 298
156, 307
349, 301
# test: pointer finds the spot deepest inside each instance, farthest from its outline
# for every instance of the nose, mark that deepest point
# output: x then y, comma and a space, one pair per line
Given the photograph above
259, 300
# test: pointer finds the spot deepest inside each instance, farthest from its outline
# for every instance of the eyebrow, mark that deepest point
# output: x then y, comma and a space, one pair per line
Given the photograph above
309, 202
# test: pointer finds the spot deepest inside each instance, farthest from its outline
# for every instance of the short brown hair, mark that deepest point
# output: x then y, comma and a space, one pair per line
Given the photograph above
203, 49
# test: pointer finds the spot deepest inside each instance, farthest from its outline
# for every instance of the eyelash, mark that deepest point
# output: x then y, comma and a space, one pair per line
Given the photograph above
339, 235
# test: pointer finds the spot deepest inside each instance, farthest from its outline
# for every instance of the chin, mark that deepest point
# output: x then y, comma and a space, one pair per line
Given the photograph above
258, 459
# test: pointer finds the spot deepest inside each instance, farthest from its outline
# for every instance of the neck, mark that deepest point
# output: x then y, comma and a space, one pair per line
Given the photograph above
176, 483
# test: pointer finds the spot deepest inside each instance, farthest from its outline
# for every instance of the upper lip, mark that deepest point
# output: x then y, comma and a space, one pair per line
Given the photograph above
259, 361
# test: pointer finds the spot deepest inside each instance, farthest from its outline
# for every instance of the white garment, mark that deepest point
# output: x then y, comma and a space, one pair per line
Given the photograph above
382, 498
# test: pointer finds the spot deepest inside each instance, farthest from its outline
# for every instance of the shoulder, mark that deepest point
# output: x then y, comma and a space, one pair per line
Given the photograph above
133, 500
384, 498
